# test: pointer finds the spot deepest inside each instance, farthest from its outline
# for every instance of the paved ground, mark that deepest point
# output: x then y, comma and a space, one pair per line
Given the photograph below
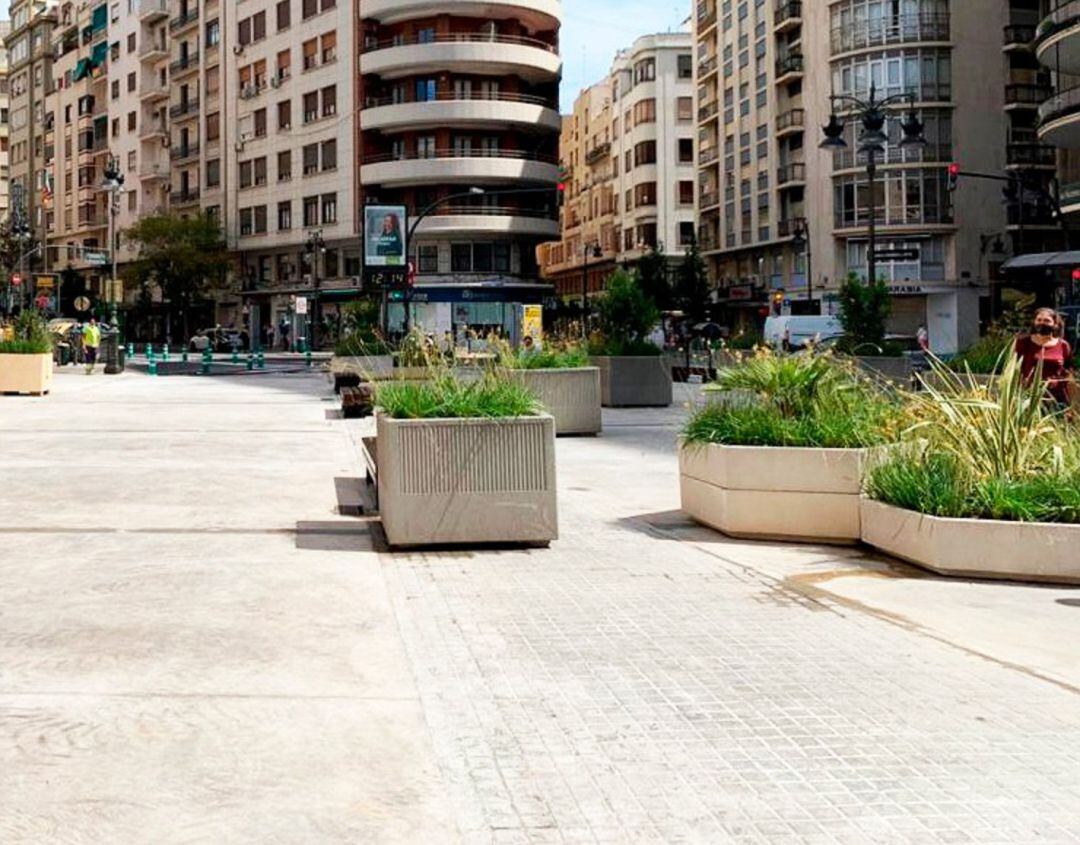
194, 646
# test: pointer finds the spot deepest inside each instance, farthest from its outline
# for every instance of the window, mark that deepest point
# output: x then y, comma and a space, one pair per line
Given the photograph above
686, 66
685, 108
246, 171
260, 170
114, 91
284, 114
213, 80
328, 47
260, 123
310, 156
329, 154
645, 71
258, 26
131, 121
213, 173
258, 74
260, 219
213, 126
686, 150
284, 215
310, 51
284, 166
311, 107
645, 111
428, 255
131, 82
243, 31
131, 42
246, 219
309, 8
311, 211
645, 194
284, 64
283, 15
213, 33
329, 101
329, 208
133, 201
460, 258
645, 153
686, 193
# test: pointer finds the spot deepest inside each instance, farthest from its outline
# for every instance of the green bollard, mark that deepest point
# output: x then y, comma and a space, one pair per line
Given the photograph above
307, 357
151, 368
165, 352
250, 362
235, 356
131, 350
260, 361
183, 356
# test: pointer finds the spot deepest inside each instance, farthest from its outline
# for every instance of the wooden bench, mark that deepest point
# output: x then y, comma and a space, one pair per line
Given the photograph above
357, 401
368, 451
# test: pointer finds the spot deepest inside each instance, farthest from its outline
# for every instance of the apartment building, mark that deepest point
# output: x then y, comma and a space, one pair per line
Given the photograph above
5, 122
629, 154
781, 217
1050, 34
30, 83
458, 107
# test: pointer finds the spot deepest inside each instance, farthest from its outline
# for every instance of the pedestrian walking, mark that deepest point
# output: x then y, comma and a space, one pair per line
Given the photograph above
91, 341
922, 337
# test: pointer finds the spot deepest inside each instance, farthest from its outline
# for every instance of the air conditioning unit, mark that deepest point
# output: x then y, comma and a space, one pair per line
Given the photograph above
239, 146
248, 91
275, 82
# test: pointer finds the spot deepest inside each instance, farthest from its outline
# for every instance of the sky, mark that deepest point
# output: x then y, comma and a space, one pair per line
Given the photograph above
594, 29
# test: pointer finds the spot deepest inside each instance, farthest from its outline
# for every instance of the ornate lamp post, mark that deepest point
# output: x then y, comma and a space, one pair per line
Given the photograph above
588, 250
313, 248
872, 115
113, 184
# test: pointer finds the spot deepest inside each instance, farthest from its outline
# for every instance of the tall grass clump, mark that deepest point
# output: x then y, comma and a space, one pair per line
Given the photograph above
30, 335
552, 355
444, 396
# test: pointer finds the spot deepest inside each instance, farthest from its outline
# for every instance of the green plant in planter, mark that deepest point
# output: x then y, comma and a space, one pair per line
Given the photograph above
444, 396
794, 400
864, 310
552, 355
31, 335
359, 344
627, 316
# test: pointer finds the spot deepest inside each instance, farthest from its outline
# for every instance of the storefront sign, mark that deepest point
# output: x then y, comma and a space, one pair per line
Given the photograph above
742, 292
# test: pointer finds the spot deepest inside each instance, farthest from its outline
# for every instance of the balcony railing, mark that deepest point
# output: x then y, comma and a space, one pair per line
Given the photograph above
460, 38
153, 8
181, 21
185, 62
787, 228
894, 154
180, 109
1030, 155
1018, 94
184, 197
454, 153
881, 32
184, 151
1018, 34
790, 10
709, 199
709, 154
706, 15
929, 215
708, 110
1060, 105
706, 67
791, 173
462, 96
597, 153
790, 119
789, 64
1062, 16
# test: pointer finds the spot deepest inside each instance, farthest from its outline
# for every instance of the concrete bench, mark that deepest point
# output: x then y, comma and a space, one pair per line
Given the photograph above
371, 469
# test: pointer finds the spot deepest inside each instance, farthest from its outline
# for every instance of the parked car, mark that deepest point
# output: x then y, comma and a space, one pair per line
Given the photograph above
218, 339
795, 332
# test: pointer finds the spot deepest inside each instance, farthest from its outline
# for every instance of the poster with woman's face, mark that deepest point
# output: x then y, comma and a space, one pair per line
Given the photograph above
384, 236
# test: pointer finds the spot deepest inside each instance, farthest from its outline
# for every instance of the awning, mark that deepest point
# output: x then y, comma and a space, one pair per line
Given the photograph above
99, 54
82, 69
99, 18
1043, 259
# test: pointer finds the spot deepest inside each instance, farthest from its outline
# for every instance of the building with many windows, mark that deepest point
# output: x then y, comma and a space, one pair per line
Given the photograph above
628, 152
5, 121
781, 217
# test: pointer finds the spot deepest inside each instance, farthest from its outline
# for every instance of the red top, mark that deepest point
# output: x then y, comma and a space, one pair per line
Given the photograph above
1056, 364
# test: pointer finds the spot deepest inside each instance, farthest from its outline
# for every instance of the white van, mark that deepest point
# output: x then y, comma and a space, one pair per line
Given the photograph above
801, 330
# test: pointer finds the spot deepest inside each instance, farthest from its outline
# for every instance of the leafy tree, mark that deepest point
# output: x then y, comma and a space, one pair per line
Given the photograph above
11, 248
652, 272
692, 284
184, 256
627, 315
864, 309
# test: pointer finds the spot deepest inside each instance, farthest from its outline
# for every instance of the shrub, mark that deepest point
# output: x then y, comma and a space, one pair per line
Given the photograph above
444, 396
864, 309
359, 344
627, 316
552, 355
985, 356
30, 335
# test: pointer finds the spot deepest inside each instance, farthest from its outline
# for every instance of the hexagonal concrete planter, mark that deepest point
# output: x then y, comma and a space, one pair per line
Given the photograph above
26, 373
571, 396
975, 548
628, 381
774, 493
467, 481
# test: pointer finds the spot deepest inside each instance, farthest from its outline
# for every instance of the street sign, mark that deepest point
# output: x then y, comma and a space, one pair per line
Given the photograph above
896, 254
45, 280
301, 305
82, 303
98, 259
16, 278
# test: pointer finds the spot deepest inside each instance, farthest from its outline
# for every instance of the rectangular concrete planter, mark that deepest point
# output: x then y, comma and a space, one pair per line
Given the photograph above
467, 481
774, 493
26, 373
975, 548
628, 381
367, 366
571, 396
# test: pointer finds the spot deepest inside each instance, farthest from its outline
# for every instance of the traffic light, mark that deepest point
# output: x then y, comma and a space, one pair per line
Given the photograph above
954, 175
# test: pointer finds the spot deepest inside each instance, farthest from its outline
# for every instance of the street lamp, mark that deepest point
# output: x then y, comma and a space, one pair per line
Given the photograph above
595, 251
801, 242
113, 184
407, 299
873, 116
313, 248
21, 230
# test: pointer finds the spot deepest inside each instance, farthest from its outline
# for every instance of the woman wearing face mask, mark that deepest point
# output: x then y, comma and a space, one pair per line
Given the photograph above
1045, 345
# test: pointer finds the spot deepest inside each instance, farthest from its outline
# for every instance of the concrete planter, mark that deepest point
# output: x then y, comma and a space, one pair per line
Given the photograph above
571, 396
976, 548
26, 373
467, 481
776, 493
634, 381
897, 370
367, 366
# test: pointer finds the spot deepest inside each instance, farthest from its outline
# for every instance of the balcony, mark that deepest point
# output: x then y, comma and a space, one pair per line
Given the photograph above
790, 122
598, 153
466, 219
708, 155
468, 52
182, 22
188, 197
1031, 155
1059, 119
789, 68
454, 166
707, 68
184, 152
152, 11
188, 108
1025, 95
708, 111
153, 51
185, 64
925, 27
1057, 39
154, 172
153, 91
88, 146
706, 17
791, 175
152, 130
709, 199
788, 16
1018, 37
788, 228
1069, 197
545, 14
452, 110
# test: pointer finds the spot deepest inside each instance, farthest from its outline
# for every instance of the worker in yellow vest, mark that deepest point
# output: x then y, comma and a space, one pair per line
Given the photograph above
91, 341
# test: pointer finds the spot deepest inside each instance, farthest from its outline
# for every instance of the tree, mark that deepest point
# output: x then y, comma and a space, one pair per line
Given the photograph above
864, 309
181, 255
627, 315
692, 284
15, 255
652, 272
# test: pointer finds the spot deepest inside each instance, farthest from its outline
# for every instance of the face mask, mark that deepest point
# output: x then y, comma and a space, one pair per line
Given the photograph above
1044, 331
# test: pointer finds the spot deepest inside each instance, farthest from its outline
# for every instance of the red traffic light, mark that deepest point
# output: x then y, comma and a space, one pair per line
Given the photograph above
954, 169
561, 188
1076, 274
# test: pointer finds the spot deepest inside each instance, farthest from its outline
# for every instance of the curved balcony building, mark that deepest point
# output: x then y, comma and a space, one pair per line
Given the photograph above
461, 98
